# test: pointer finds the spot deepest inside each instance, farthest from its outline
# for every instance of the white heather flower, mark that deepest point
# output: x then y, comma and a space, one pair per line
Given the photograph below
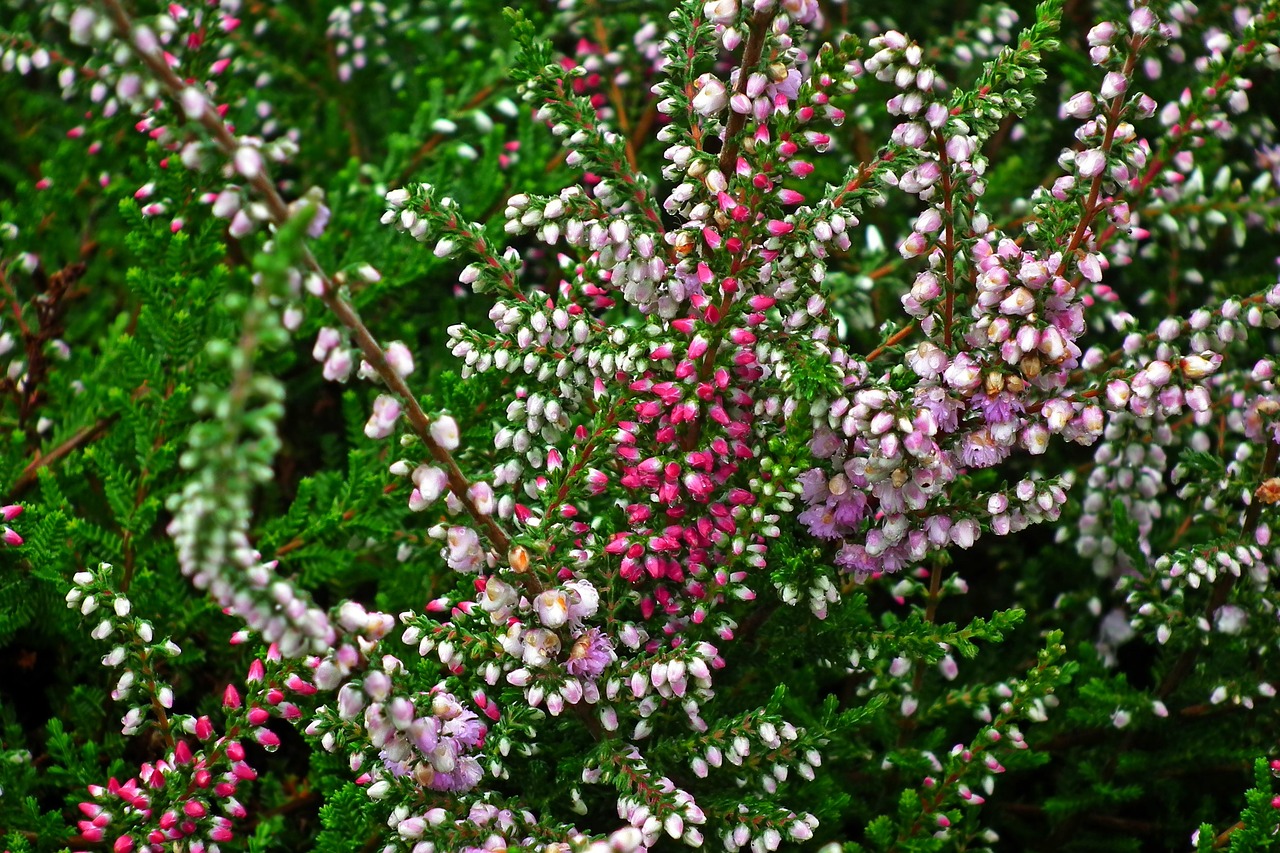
400, 359
248, 162
711, 97
193, 102
1230, 619
1198, 366
444, 432
721, 11
552, 607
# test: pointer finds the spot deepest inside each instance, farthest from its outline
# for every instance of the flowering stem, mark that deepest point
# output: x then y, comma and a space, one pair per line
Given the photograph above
760, 22
337, 305
1222, 587
1091, 207
949, 241
81, 437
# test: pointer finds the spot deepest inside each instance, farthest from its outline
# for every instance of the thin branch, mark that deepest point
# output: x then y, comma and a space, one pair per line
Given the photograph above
81, 437
333, 300
760, 23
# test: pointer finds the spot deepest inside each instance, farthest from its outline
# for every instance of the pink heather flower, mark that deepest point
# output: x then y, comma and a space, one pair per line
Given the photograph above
11, 537
1090, 164
226, 203
10, 512
1102, 33
81, 23
1142, 20
319, 222
326, 341
915, 245
337, 365
386, 410
481, 494
241, 224
1113, 85
1079, 107
444, 432
193, 102
1090, 267
929, 221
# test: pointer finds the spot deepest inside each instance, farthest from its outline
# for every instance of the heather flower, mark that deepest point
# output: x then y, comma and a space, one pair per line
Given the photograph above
711, 97
589, 655
703, 407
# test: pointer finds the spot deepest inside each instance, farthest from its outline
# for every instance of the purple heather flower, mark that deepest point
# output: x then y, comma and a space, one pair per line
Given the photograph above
944, 408
981, 450
850, 508
825, 443
854, 558
821, 521
999, 409
813, 485
591, 653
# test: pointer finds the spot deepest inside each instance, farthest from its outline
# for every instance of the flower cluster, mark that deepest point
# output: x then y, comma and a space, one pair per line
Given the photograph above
189, 795
715, 425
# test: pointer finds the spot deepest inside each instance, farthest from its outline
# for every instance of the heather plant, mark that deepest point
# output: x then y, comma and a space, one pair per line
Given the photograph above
633, 427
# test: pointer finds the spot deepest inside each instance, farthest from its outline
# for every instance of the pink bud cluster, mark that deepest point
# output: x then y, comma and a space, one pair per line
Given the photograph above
10, 536
189, 795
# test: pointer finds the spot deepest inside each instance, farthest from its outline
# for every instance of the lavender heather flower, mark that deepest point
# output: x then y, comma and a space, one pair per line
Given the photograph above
590, 654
